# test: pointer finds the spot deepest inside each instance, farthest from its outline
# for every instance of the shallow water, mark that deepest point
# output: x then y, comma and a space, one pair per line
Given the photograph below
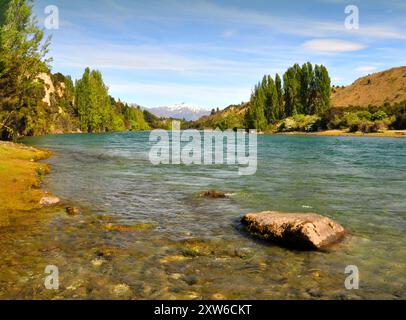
195, 248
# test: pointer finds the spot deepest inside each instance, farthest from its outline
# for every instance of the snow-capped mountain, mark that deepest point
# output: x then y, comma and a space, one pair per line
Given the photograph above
180, 111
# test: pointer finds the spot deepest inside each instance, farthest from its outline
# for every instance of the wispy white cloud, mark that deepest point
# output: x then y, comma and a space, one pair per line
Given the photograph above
211, 12
332, 46
141, 57
197, 60
292, 24
366, 69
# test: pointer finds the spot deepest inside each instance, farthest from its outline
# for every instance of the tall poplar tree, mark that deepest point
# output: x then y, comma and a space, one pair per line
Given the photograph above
281, 102
305, 90
94, 104
323, 90
291, 88
271, 102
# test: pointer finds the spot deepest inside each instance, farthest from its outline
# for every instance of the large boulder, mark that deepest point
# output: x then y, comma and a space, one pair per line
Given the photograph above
308, 231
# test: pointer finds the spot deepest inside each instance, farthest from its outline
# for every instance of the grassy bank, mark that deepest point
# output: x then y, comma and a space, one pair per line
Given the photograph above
20, 177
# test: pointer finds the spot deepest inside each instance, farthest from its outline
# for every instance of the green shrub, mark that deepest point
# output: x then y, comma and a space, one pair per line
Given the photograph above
300, 122
379, 116
364, 115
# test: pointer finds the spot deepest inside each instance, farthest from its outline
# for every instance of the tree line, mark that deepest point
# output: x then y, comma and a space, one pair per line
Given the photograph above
24, 71
304, 90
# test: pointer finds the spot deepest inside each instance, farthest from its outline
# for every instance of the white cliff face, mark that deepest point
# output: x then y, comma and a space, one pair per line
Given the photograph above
49, 87
180, 111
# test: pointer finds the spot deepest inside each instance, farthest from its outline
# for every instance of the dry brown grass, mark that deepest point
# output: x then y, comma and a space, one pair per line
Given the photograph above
376, 89
345, 132
20, 177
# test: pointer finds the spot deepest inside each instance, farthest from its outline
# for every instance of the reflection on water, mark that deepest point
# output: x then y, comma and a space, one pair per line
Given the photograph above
195, 248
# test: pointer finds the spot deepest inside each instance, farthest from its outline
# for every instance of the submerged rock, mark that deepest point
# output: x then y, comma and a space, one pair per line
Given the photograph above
72, 211
49, 201
296, 230
191, 280
213, 194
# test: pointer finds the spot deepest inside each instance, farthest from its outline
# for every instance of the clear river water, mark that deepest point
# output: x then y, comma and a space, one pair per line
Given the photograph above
145, 233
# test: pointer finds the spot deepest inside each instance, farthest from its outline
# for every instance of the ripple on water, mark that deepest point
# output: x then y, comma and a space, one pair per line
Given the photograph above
197, 248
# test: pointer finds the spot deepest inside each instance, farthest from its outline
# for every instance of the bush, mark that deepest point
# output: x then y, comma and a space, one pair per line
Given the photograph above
367, 120
301, 123
379, 126
369, 126
379, 116
364, 115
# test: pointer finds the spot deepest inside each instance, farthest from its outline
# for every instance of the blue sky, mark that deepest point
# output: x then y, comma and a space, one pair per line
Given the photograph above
211, 53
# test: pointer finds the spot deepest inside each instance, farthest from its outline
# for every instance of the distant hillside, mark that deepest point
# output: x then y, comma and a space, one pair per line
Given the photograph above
376, 89
231, 117
179, 111
372, 103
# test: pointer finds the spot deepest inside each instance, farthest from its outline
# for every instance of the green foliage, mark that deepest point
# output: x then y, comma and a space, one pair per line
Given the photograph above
134, 119
306, 90
154, 122
367, 119
3, 10
361, 120
300, 123
255, 118
233, 117
22, 60
93, 103
291, 88
321, 91
279, 92
379, 115
98, 112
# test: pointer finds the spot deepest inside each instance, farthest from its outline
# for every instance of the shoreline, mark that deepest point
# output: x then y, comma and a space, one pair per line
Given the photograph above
343, 133
21, 176
324, 133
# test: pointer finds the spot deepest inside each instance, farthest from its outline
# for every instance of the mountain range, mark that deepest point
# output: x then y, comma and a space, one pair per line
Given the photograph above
179, 111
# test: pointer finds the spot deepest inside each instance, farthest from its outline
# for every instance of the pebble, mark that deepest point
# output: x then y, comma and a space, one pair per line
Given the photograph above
191, 280
218, 296
193, 296
121, 289
72, 211
175, 276
98, 262
49, 201
171, 259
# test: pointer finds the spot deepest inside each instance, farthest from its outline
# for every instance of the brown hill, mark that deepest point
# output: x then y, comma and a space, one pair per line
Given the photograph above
376, 89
